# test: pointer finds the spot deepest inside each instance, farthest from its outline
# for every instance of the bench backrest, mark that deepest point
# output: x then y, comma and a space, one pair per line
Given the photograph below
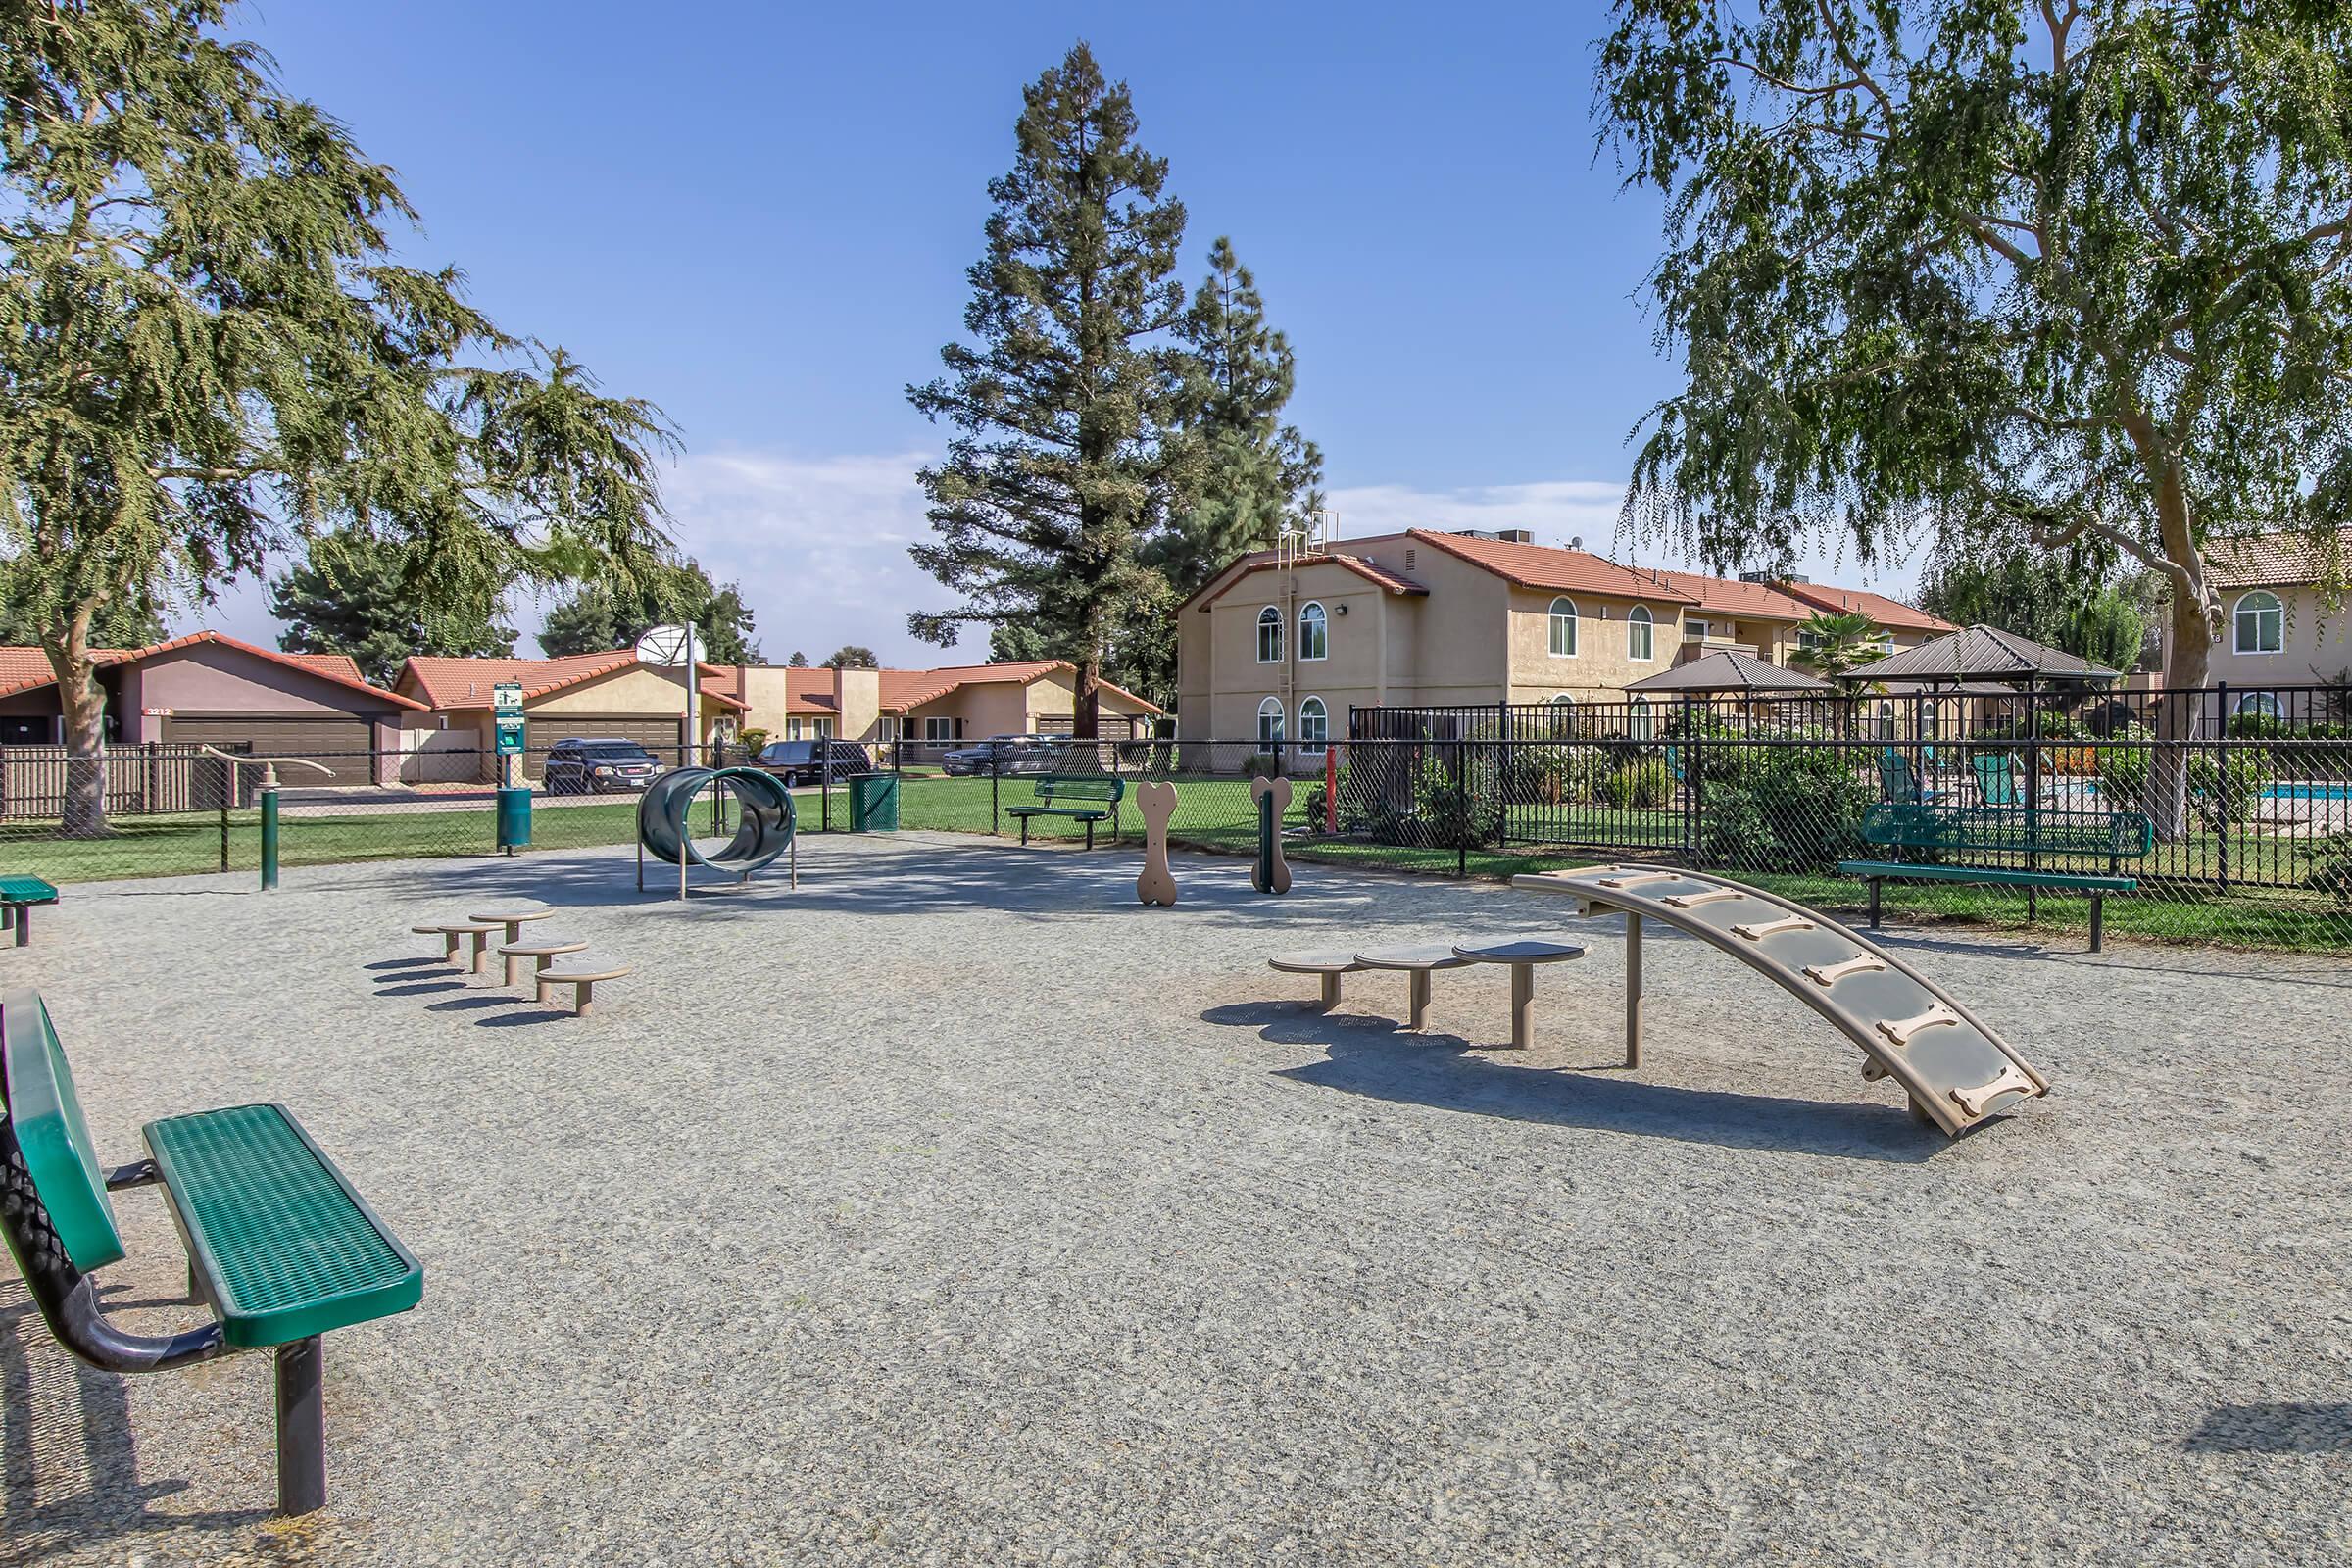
2011, 830
1087, 788
46, 1119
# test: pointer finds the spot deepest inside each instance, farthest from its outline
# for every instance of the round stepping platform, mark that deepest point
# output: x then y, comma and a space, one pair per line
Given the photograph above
453, 934
1518, 950
546, 948
513, 916
583, 972
1333, 961
1422, 956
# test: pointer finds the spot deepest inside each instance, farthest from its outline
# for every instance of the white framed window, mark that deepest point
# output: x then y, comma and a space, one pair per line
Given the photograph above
1641, 725
1640, 636
1314, 632
2261, 624
2264, 702
1314, 725
1564, 628
822, 729
1563, 715
792, 729
938, 728
1695, 631
1269, 636
1269, 719
886, 728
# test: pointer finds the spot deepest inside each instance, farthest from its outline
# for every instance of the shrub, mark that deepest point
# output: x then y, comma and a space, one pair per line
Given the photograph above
2224, 789
1645, 784
1258, 765
1559, 775
2330, 865
1451, 812
1791, 811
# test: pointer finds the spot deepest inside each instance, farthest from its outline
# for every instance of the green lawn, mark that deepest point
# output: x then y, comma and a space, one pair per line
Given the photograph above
1211, 813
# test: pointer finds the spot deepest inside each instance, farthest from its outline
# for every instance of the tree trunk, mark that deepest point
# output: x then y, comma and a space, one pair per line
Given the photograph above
1087, 723
84, 705
2188, 666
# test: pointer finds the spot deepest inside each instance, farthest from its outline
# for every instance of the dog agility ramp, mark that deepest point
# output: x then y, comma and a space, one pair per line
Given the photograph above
1956, 1069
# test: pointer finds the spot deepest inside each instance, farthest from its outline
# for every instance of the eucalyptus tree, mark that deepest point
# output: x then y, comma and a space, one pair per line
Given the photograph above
351, 594
1069, 447
2073, 267
212, 351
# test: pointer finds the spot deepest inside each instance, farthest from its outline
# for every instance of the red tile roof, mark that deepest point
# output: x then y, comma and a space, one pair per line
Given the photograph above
24, 670
1267, 560
1558, 570
1729, 596
459, 683
2278, 560
1892, 614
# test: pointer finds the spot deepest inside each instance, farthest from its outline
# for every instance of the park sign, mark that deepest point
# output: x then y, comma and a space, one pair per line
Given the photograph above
506, 705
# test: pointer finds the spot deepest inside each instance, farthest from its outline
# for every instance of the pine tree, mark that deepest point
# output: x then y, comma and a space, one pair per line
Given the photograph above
605, 616
798, 661
1068, 449
1257, 472
356, 594
212, 351
849, 656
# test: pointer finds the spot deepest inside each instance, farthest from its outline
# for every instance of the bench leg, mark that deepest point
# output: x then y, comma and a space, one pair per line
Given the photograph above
482, 950
1417, 996
1523, 1006
1873, 904
584, 999
8, 915
1024, 832
2098, 901
1090, 835
301, 1428
1633, 989
24, 927
1331, 992
514, 961
450, 943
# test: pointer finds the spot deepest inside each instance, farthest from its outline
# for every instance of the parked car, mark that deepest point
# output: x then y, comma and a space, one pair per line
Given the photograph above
596, 767
804, 762
1001, 753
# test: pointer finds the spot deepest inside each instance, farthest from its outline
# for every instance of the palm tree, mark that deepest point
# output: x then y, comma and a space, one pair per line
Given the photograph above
1831, 644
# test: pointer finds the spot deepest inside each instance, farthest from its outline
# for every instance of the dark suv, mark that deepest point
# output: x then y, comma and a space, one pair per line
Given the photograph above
804, 762
592, 767
1002, 755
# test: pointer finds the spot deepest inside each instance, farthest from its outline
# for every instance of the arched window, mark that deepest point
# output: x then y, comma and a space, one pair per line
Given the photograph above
1563, 715
1314, 635
1640, 639
2261, 624
1269, 722
1269, 636
2264, 702
1314, 725
1639, 723
1563, 630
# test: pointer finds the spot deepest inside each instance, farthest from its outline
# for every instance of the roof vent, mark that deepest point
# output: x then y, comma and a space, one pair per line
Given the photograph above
1408, 557
1516, 536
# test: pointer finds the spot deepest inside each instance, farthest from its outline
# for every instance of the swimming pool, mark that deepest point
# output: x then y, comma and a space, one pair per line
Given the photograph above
2307, 792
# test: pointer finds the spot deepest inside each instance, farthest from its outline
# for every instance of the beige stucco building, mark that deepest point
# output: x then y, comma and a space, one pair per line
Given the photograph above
2278, 628
1425, 618
954, 703
452, 737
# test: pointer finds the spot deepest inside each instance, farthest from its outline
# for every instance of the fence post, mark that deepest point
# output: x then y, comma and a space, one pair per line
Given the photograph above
995, 819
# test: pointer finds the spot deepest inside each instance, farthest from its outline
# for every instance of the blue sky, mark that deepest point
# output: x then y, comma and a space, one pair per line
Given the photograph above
759, 218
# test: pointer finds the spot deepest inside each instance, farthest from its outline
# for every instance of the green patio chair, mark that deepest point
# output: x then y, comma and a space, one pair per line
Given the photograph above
1996, 779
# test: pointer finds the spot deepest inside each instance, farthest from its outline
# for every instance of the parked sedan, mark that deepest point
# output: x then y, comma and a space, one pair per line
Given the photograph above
1002, 755
804, 762
597, 766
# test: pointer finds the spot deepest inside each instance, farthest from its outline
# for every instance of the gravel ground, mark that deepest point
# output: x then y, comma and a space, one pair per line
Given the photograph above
955, 1209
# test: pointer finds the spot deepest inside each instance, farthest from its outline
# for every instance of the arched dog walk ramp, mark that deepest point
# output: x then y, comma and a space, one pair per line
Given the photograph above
1956, 1069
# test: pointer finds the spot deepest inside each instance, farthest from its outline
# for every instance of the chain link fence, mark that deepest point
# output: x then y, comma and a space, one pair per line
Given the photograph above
2233, 829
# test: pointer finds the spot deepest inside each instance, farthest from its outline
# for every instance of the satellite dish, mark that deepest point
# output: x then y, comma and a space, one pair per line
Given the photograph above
668, 647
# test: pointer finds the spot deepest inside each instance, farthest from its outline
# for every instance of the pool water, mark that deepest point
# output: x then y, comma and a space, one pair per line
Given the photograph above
2307, 792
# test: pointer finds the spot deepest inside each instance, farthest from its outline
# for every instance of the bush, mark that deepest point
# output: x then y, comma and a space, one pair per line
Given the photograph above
2330, 865
1791, 810
1559, 775
1258, 765
2224, 789
1646, 784
1451, 812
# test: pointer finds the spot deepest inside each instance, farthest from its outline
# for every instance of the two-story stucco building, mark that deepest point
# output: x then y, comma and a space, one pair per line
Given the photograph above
1426, 618
2279, 626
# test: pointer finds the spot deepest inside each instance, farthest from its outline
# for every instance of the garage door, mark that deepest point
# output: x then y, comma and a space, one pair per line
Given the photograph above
658, 736
344, 746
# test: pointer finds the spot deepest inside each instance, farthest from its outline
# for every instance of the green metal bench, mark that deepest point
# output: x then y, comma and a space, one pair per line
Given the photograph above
2028, 831
1087, 798
280, 1247
18, 895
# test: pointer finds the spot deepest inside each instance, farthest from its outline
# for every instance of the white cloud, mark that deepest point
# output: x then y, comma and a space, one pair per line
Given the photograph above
819, 545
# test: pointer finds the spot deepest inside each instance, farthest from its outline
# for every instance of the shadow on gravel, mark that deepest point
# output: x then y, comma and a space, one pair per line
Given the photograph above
1447, 1073
471, 1004
69, 1470
405, 965
2274, 1429
424, 988
514, 1020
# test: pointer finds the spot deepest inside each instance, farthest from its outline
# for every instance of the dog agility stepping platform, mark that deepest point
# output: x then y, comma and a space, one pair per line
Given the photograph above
1956, 1069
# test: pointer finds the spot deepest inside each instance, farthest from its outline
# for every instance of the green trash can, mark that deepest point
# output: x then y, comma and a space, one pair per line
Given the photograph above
515, 818
873, 803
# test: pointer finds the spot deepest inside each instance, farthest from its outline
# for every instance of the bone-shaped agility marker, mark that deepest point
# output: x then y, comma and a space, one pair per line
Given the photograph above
1155, 883
1270, 873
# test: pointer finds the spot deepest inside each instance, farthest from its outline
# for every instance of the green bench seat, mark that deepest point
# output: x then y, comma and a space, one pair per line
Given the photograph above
280, 1247
18, 895
2010, 832
1087, 798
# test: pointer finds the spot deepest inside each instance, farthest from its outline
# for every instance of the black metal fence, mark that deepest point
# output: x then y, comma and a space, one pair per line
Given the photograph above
2249, 816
